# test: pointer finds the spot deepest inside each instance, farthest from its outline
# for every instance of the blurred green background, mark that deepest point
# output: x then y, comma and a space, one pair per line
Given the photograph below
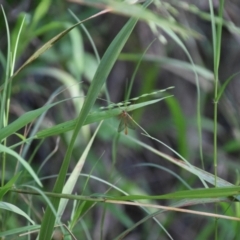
71, 64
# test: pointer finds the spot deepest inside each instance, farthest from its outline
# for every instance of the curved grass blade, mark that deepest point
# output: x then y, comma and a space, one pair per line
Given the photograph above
23, 162
125, 103
15, 231
181, 203
134, 10
48, 45
91, 118
223, 87
104, 68
8, 185
24, 119
15, 209
71, 182
200, 193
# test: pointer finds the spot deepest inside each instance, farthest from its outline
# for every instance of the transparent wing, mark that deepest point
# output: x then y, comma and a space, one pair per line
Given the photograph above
125, 122
121, 125
130, 123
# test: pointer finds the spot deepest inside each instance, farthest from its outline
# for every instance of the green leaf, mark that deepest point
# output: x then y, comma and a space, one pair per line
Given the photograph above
136, 11
13, 208
190, 194
203, 175
22, 161
23, 120
71, 182
225, 85
19, 230
40, 12
45, 47
84, 207
8, 185
181, 125
91, 118
104, 68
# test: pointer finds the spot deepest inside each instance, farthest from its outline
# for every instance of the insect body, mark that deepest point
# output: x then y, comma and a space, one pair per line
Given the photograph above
125, 122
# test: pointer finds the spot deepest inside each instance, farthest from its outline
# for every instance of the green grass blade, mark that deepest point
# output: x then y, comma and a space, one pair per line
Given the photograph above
46, 46
14, 209
23, 162
180, 123
190, 194
166, 170
23, 120
40, 12
16, 46
91, 118
135, 10
204, 175
39, 121
202, 194
223, 87
173, 65
139, 61
99, 79
19, 230
71, 182
8, 185
88, 36
4, 96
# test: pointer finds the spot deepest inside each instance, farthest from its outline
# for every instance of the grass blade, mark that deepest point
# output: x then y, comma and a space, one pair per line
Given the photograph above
91, 118
23, 120
14, 209
23, 162
70, 184
99, 79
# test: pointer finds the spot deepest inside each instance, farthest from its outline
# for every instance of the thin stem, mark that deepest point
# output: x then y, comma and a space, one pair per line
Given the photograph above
216, 35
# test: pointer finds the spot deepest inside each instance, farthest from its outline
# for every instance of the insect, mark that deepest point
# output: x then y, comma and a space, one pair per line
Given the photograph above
125, 122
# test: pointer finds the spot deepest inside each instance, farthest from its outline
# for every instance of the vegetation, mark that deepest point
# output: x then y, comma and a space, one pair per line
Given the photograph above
101, 135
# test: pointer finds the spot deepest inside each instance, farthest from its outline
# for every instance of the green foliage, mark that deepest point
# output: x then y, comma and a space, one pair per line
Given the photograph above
52, 100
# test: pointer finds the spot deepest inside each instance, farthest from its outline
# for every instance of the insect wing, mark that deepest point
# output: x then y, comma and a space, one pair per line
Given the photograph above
130, 123
125, 122
121, 125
